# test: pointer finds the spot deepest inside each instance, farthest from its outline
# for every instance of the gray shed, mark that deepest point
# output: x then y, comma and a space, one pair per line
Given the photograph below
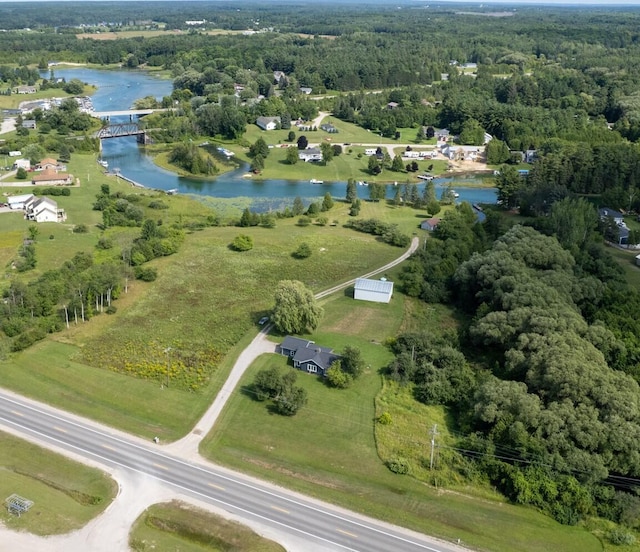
378, 291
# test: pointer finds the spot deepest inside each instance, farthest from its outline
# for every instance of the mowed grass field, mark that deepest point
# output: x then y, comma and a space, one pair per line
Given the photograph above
66, 494
179, 526
328, 449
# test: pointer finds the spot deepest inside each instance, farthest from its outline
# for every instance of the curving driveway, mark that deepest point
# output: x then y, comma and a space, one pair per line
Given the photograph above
188, 446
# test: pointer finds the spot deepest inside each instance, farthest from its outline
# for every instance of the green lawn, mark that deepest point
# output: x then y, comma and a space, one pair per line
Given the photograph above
178, 526
328, 449
627, 260
66, 494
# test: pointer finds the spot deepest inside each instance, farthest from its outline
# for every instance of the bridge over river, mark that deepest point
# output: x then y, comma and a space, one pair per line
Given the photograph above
131, 113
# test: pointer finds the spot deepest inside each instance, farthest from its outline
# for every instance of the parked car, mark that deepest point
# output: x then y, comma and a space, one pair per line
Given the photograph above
263, 320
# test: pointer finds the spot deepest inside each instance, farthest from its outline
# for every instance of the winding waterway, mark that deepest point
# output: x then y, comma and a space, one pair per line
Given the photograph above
118, 89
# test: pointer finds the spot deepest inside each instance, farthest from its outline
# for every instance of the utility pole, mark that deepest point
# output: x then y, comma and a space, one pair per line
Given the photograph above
434, 434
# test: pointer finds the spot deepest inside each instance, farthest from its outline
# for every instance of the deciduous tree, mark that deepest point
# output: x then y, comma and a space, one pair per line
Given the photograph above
296, 309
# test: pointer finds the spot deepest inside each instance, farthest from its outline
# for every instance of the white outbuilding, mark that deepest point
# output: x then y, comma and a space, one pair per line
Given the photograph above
19, 201
378, 291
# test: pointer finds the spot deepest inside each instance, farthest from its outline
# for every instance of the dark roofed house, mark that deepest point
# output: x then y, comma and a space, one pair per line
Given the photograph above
606, 212
308, 356
328, 127
268, 123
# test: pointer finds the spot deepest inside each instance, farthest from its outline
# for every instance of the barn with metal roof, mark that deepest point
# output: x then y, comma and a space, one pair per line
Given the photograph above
378, 291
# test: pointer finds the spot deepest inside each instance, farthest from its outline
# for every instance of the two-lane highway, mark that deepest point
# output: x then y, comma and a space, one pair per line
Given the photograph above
240, 495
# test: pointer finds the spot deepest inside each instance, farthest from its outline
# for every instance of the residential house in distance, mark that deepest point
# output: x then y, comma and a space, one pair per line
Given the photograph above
463, 153
44, 209
53, 177
307, 356
22, 164
376, 291
605, 213
617, 231
306, 90
47, 163
310, 155
26, 89
443, 135
392, 105
430, 224
328, 127
268, 123
29, 124
277, 76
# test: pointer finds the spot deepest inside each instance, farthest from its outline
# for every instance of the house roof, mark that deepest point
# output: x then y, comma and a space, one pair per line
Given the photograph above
44, 203
293, 343
308, 351
311, 151
48, 161
49, 175
377, 286
19, 198
267, 120
607, 212
431, 221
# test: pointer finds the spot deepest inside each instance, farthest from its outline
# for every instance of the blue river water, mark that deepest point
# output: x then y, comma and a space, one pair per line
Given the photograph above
118, 89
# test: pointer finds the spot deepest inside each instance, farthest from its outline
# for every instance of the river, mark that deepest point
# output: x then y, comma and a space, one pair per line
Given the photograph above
118, 89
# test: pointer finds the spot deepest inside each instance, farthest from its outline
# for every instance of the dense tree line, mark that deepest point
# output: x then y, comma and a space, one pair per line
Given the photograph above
543, 377
69, 295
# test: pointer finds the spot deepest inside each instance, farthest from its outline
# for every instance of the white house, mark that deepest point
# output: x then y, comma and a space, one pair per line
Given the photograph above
44, 209
18, 202
463, 153
370, 151
310, 154
268, 123
377, 291
22, 164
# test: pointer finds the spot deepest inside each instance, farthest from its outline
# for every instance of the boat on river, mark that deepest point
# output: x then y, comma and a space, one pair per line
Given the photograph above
103, 163
425, 177
314, 181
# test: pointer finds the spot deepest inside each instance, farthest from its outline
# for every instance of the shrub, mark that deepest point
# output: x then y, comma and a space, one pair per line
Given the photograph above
21, 174
398, 465
384, 419
303, 251
242, 242
111, 309
158, 204
619, 536
304, 221
80, 229
338, 378
104, 243
145, 273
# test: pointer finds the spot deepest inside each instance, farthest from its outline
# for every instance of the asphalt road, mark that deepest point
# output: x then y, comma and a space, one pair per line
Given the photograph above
318, 523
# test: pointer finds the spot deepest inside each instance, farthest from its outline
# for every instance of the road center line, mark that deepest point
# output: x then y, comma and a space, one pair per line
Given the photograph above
280, 509
347, 533
17, 413
162, 467
60, 429
216, 486
107, 447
